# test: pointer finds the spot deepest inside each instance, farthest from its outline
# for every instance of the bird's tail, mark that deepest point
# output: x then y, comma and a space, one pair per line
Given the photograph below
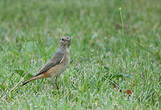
33, 78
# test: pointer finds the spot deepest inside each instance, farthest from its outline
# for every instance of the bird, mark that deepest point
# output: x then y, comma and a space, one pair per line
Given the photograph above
57, 64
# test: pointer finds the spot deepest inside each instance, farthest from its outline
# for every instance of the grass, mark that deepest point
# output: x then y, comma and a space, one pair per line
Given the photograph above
108, 46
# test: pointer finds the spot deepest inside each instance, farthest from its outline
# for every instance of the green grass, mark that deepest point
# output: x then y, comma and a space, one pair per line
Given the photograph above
103, 51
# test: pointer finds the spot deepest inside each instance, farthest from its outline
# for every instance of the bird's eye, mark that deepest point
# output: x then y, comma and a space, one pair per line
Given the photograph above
62, 39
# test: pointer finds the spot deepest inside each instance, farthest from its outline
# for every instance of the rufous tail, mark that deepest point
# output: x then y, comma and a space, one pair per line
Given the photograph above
33, 78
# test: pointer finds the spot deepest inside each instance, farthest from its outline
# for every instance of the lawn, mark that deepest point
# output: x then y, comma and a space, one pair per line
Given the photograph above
115, 54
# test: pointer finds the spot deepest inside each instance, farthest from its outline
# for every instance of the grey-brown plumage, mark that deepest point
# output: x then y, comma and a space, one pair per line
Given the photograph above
57, 57
57, 64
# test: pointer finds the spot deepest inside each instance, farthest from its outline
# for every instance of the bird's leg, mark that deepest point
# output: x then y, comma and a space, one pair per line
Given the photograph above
54, 82
56, 77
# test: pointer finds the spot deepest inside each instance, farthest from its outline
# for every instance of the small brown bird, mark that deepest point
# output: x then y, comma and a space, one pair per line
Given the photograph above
57, 64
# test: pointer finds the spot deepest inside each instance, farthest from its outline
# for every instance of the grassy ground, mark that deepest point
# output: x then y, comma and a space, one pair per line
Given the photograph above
104, 50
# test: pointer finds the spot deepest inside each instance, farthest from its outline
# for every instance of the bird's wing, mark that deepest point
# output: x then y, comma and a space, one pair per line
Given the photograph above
56, 59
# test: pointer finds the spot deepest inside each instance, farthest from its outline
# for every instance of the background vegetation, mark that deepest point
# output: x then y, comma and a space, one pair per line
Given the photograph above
108, 56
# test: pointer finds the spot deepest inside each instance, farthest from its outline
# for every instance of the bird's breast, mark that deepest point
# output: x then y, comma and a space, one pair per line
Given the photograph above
66, 58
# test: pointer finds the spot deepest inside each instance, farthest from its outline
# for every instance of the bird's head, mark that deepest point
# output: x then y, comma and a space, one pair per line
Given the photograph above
65, 42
